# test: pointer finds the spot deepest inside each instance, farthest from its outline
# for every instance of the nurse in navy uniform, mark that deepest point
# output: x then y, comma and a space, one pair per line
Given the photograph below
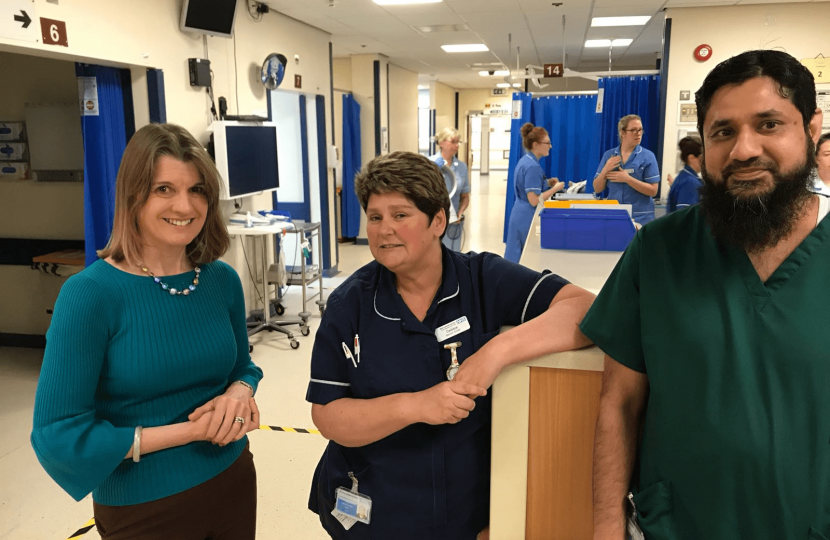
409, 448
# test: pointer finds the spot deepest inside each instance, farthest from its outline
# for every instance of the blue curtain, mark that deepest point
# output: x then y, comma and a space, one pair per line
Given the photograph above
573, 125
105, 139
352, 162
516, 149
630, 95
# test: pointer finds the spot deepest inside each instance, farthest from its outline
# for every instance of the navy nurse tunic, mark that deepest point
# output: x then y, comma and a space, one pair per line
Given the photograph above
426, 482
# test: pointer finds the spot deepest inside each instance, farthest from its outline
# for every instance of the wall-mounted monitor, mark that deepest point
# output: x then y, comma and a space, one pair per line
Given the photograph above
212, 17
246, 156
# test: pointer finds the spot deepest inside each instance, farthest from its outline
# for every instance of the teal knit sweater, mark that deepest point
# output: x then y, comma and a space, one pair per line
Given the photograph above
121, 352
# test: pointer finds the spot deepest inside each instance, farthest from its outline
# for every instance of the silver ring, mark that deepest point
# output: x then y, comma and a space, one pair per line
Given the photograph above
239, 419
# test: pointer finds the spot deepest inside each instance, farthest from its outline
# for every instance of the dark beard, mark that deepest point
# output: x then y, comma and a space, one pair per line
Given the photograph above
761, 221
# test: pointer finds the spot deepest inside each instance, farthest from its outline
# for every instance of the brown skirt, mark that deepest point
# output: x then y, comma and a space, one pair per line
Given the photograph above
223, 508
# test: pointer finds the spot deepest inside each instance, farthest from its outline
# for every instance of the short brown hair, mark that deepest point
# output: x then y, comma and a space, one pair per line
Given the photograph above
622, 125
132, 188
412, 175
532, 134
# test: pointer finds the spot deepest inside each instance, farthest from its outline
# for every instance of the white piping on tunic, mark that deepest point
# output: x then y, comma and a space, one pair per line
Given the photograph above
452, 295
527, 303
332, 383
457, 290
376, 308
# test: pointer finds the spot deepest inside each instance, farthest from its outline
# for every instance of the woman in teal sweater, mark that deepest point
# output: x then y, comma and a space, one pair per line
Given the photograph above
146, 391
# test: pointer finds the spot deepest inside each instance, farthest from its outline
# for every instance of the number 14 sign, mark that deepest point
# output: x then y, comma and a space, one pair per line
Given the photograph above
554, 70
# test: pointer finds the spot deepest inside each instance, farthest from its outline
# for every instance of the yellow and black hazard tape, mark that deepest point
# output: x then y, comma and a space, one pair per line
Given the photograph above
83, 530
291, 430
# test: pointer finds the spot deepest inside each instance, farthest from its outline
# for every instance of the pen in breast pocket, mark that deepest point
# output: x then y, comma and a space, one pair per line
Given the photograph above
357, 347
349, 354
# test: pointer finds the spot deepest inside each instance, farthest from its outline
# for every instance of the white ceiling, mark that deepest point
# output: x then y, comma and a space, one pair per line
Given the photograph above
535, 26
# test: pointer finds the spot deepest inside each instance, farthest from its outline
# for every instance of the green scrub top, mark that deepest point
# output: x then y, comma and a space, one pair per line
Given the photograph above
736, 434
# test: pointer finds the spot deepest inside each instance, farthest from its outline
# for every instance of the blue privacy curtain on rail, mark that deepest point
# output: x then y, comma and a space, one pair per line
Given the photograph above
630, 95
350, 218
572, 123
105, 138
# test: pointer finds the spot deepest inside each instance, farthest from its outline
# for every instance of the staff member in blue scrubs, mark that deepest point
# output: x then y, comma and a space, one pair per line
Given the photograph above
528, 185
684, 191
629, 173
458, 185
417, 444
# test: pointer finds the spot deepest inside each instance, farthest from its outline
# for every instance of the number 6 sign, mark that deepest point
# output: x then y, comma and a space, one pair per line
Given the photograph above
53, 32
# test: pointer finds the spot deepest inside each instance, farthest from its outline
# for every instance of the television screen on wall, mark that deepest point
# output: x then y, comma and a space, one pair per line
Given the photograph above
212, 17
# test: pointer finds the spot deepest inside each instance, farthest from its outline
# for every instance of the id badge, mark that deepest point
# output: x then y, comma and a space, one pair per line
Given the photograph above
452, 329
353, 505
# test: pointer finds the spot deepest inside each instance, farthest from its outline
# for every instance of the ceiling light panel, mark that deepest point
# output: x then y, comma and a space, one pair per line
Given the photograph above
600, 43
620, 21
405, 2
470, 47
442, 28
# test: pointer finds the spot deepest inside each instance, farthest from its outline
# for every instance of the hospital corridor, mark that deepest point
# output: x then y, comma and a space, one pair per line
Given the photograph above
414, 269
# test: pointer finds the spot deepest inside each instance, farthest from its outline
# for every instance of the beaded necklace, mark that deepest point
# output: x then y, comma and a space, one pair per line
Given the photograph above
173, 291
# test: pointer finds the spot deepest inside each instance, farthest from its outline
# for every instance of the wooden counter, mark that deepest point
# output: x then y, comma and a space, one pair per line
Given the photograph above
544, 417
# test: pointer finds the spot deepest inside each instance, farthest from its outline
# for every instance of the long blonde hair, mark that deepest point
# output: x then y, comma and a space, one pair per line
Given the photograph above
132, 188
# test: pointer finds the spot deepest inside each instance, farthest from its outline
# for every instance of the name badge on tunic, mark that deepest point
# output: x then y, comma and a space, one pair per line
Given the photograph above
452, 329
350, 506
629, 171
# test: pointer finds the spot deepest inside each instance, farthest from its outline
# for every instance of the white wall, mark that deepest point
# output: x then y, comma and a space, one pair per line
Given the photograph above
145, 34
442, 99
798, 29
403, 109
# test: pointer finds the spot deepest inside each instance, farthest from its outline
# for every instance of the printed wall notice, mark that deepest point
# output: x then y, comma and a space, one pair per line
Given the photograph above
823, 103
819, 67
88, 95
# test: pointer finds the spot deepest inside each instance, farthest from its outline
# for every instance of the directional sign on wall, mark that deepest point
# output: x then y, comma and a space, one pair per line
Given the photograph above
19, 21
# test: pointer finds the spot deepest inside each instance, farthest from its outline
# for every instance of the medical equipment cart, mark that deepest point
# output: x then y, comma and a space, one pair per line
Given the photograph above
308, 272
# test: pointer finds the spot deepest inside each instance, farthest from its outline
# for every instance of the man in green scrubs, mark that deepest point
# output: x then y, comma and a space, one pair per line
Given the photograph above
715, 407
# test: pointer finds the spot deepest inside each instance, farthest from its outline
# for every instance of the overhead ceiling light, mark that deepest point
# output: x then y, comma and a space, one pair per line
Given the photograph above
403, 2
442, 28
600, 43
496, 73
423, 87
620, 21
517, 85
472, 47
503, 85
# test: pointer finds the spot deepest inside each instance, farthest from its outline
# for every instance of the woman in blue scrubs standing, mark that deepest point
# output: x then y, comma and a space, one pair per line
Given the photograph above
629, 173
684, 190
409, 431
458, 184
528, 185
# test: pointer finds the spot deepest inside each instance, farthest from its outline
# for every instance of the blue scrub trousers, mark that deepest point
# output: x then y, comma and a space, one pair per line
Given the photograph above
517, 230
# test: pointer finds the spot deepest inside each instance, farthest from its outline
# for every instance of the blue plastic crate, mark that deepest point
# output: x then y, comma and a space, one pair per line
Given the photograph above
586, 229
